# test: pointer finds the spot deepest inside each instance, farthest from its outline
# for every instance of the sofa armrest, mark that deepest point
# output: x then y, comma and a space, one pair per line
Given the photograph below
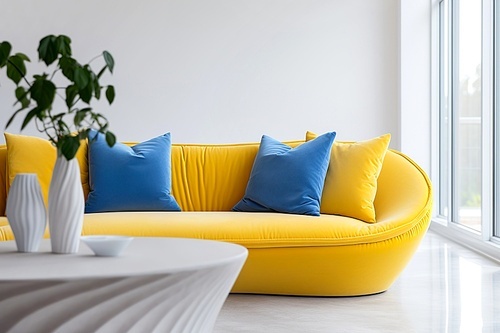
404, 193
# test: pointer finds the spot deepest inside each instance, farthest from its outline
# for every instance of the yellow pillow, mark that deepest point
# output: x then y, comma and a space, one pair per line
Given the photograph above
351, 180
29, 154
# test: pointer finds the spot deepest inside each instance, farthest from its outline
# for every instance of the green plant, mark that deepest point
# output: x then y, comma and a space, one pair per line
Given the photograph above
64, 129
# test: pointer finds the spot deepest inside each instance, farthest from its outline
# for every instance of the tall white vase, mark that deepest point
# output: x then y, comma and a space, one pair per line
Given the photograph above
26, 212
66, 206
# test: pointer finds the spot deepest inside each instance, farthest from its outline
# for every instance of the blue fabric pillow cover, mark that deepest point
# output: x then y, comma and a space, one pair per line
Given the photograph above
288, 180
124, 178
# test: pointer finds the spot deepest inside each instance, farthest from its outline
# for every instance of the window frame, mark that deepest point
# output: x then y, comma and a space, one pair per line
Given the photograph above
487, 240
495, 21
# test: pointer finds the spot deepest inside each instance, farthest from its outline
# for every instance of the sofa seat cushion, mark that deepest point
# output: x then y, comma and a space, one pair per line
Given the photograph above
252, 230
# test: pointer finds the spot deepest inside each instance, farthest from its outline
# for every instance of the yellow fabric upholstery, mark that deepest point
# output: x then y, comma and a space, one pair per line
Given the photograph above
29, 154
351, 180
329, 255
199, 183
3, 173
212, 177
26, 154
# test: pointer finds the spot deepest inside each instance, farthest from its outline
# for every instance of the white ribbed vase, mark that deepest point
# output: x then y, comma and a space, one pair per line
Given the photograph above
26, 212
66, 206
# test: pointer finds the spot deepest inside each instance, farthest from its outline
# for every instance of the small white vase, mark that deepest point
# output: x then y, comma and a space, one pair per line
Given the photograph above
26, 212
66, 206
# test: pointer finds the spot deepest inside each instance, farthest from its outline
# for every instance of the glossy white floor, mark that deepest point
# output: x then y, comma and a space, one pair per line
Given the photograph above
445, 288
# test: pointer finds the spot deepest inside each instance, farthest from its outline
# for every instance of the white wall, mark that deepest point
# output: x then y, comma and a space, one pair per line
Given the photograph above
226, 70
415, 76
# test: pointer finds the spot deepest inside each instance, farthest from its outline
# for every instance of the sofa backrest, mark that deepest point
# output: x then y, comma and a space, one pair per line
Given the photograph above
214, 178
211, 177
205, 177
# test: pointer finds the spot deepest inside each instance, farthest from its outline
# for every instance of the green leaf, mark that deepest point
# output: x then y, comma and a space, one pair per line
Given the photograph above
86, 93
81, 77
92, 78
43, 92
20, 92
80, 116
97, 86
103, 127
23, 56
64, 45
48, 49
44, 76
42, 115
58, 116
63, 128
34, 112
16, 68
110, 62
68, 146
84, 133
97, 89
110, 94
71, 93
110, 139
13, 116
5, 49
68, 66
21, 96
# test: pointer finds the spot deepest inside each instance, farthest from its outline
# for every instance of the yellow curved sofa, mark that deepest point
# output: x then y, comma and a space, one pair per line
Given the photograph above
329, 255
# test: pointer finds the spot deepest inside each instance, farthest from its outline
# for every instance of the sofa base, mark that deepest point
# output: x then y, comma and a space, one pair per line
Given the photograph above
351, 270
304, 270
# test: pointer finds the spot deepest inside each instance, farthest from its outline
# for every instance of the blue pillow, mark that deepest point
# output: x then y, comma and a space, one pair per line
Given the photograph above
124, 178
288, 180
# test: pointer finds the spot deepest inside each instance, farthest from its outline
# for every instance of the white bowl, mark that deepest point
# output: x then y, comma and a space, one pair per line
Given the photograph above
107, 246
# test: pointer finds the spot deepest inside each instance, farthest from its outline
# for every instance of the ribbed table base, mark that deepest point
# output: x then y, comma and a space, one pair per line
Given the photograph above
181, 302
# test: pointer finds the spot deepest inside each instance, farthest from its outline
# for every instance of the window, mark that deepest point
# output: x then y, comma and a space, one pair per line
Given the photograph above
496, 106
444, 150
466, 107
460, 119
467, 173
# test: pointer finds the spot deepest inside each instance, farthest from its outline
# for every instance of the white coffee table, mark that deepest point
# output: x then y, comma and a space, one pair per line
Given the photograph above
156, 285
